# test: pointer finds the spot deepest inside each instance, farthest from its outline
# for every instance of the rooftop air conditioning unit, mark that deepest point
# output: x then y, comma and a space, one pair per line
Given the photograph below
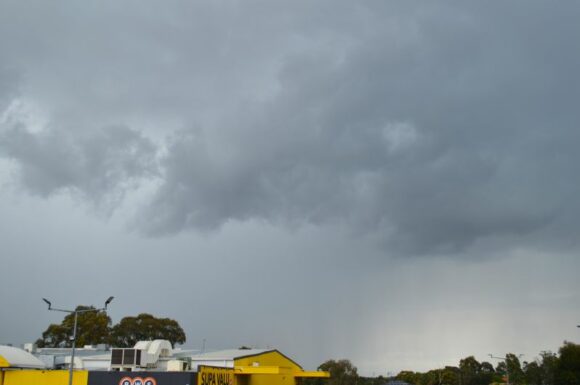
125, 357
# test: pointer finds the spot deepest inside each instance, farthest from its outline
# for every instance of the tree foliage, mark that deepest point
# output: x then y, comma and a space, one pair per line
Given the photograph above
547, 369
410, 377
568, 366
469, 369
145, 327
472, 372
533, 373
514, 367
94, 327
342, 372
449, 375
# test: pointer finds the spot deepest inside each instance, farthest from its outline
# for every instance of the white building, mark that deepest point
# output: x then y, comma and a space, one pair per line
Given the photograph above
150, 355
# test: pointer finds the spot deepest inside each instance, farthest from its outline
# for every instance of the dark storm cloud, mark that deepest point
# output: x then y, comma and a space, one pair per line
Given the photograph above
457, 124
282, 128
100, 166
432, 126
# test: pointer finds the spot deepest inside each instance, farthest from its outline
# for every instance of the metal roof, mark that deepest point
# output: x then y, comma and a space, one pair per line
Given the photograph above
228, 355
18, 358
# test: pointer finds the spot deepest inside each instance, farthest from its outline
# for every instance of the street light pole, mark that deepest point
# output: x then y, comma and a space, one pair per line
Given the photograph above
72, 355
507, 370
74, 336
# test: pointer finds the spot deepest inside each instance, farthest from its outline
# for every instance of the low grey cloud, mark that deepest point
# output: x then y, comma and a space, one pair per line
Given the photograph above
432, 128
448, 133
100, 166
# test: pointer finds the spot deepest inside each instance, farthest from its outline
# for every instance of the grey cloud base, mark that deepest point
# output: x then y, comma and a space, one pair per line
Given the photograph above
100, 166
433, 128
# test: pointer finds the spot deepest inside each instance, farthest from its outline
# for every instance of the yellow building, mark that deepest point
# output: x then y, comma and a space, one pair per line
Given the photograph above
226, 367
256, 366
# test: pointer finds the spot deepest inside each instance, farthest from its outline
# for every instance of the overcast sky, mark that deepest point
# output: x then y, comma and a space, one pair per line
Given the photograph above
392, 182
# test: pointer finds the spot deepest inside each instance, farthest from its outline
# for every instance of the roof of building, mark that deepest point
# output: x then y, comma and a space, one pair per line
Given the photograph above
229, 354
234, 354
17, 358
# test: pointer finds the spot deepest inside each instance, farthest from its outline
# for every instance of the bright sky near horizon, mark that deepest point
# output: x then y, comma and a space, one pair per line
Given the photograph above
391, 182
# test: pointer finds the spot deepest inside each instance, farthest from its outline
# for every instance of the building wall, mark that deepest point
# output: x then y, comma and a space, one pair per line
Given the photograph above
60, 377
209, 375
286, 365
271, 379
43, 377
146, 378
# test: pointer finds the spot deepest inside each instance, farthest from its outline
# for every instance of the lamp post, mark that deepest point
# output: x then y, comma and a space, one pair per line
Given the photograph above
74, 336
